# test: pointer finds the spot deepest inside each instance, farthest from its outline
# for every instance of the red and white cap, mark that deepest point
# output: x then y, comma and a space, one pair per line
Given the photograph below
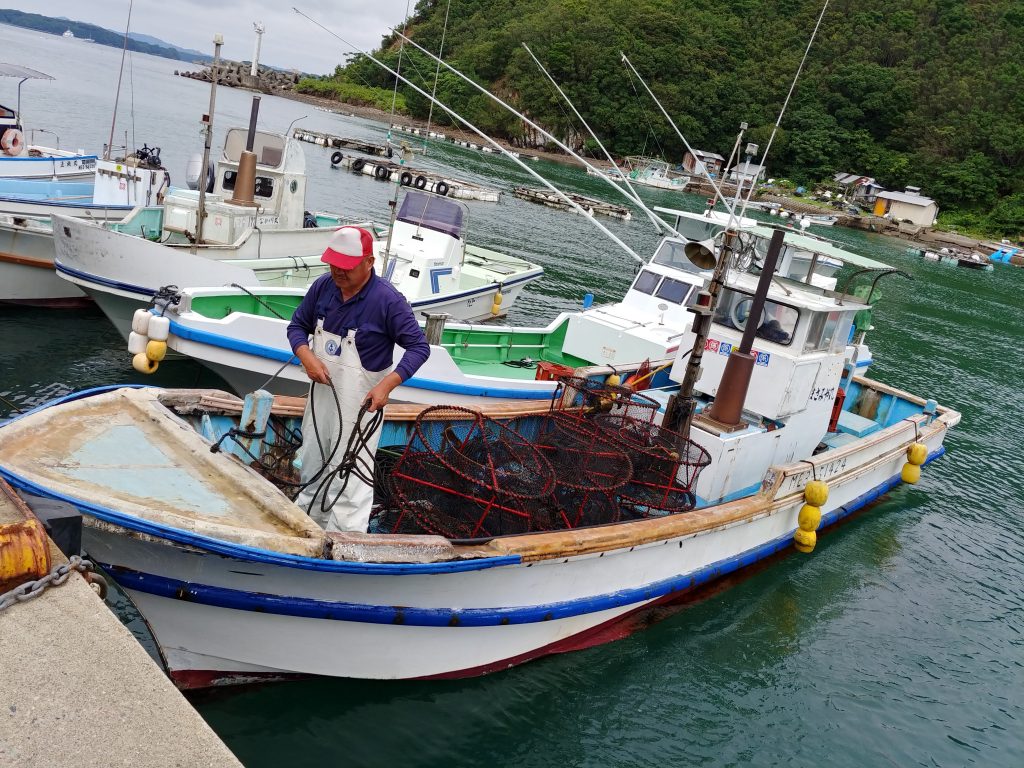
348, 247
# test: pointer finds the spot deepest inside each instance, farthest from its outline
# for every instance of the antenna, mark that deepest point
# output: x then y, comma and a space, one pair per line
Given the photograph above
259, 28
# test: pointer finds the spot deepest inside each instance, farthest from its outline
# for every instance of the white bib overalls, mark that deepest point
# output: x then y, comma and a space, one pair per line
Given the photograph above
352, 383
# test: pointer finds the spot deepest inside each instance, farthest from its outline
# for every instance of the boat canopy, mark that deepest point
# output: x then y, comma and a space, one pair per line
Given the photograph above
25, 73
437, 213
823, 247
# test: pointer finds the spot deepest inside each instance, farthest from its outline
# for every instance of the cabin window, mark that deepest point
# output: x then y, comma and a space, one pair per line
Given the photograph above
822, 331
673, 290
670, 254
646, 281
776, 324
264, 187
229, 179
5, 112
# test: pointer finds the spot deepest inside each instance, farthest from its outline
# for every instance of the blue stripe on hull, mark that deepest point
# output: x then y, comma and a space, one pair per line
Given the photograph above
473, 617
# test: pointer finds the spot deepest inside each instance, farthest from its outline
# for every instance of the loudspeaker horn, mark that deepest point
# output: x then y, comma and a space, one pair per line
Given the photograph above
701, 253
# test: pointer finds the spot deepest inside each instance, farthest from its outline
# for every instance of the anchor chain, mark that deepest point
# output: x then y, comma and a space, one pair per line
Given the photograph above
56, 577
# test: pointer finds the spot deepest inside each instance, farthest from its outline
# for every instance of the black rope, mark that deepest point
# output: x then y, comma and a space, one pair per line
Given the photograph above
353, 461
277, 314
235, 432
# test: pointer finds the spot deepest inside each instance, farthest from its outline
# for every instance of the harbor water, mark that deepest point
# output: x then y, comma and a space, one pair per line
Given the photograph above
898, 642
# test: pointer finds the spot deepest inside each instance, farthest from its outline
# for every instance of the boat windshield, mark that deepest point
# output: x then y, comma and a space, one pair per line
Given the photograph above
776, 324
670, 254
436, 213
667, 288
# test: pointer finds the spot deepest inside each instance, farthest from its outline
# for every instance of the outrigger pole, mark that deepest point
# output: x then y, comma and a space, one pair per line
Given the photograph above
632, 198
635, 197
482, 135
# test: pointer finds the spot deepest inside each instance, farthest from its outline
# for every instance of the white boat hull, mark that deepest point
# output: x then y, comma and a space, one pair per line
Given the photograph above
219, 615
54, 164
27, 275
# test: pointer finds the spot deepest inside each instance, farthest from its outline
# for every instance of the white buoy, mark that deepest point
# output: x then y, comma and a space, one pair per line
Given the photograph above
159, 328
137, 342
140, 321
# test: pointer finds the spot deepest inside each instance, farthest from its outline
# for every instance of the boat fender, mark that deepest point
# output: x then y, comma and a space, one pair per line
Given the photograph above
917, 454
137, 343
804, 541
441, 188
156, 350
358, 164
496, 305
613, 380
816, 493
406, 178
336, 158
143, 364
421, 182
140, 321
809, 517
12, 141
381, 172
159, 328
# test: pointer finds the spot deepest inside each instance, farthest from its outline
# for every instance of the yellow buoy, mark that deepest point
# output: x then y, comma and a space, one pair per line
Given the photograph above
143, 364
156, 350
816, 493
917, 453
804, 541
496, 306
911, 473
613, 380
809, 517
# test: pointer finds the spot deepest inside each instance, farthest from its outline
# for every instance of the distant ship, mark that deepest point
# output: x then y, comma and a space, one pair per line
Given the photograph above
68, 33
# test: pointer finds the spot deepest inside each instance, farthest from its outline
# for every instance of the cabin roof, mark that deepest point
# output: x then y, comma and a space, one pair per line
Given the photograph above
16, 70
909, 198
799, 294
700, 153
825, 248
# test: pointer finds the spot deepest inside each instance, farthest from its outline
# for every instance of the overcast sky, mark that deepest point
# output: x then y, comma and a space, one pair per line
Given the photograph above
290, 41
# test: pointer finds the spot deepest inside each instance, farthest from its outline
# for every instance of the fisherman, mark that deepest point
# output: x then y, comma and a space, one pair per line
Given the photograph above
355, 319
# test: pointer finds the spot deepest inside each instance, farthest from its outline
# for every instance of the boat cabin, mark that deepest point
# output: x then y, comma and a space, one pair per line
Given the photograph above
279, 192
802, 348
426, 249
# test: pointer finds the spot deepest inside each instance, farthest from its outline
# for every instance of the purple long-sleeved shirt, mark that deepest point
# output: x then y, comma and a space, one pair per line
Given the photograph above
380, 314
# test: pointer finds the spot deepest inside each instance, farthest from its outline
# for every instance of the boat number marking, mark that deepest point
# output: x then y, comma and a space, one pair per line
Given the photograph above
725, 348
823, 472
822, 393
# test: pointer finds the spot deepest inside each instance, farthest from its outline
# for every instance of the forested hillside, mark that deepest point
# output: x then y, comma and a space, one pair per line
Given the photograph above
923, 92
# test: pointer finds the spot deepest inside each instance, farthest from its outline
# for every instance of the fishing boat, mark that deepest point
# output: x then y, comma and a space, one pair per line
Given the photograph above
240, 334
122, 268
20, 159
27, 208
654, 172
499, 536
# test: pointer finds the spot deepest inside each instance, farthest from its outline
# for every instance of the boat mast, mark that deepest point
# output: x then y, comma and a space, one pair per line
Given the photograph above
437, 73
117, 93
207, 123
394, 94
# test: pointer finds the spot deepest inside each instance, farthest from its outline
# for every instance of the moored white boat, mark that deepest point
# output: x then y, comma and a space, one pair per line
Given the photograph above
19, 158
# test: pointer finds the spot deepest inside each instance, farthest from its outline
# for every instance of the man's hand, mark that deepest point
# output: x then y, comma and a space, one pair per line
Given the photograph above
377, 397
314, 367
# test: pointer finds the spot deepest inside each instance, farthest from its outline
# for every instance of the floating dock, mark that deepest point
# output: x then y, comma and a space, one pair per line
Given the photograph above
590, 205
408, 176
423, 133
78, 688
330, 141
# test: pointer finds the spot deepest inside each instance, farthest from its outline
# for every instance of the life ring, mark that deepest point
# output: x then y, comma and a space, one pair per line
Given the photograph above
740, 314
381, 172
421, 182
406, 178
336, 158
357, 164
12, 142
441, 188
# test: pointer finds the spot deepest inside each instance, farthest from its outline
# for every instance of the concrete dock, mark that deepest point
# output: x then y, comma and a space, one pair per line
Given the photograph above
79, 690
